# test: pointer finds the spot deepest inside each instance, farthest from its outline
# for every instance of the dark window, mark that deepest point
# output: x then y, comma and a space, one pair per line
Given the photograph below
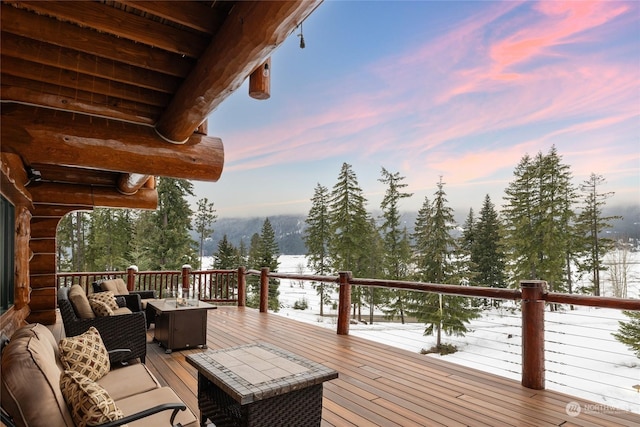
7, 236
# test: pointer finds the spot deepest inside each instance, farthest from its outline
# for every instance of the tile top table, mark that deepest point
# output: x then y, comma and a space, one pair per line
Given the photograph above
253, 372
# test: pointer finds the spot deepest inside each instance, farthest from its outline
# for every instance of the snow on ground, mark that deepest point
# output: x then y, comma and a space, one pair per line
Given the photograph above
583, 358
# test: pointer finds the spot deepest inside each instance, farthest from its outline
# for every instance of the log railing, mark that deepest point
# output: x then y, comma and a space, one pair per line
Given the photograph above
532, 294
218, 286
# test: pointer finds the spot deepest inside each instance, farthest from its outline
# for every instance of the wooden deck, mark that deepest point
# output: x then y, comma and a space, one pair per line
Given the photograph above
379, 385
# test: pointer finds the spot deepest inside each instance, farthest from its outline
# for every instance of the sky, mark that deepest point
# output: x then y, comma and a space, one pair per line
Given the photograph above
455, 89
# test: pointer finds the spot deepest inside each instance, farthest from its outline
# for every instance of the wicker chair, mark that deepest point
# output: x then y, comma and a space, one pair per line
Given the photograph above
134, 300
126, 332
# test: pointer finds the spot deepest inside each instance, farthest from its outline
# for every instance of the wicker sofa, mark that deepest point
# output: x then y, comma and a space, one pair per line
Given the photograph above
35, 393
124, 331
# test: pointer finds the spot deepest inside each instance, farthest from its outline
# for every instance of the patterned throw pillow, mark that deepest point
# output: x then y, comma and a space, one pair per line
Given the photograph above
89, 403
85, 354
106, 297
100, 308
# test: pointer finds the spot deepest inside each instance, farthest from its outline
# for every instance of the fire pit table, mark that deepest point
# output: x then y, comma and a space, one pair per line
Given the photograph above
259, 385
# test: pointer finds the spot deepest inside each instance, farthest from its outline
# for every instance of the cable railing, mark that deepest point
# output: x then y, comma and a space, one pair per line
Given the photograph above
532, 344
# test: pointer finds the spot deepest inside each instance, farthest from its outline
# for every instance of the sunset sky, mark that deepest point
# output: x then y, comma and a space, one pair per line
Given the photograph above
461, 90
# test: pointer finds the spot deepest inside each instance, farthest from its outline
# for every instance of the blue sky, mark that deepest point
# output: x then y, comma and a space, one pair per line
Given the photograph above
461, 90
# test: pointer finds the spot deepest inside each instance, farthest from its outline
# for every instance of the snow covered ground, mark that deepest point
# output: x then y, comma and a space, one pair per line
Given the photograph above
583, 358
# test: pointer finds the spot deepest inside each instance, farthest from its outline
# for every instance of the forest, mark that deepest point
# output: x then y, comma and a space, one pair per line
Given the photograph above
547, 229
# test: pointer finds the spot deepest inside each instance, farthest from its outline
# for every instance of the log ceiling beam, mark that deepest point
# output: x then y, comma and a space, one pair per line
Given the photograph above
83, 63
45, 29
61, 98
123, 25
80, 197
56, 137
82, 82
194, 15
248, 36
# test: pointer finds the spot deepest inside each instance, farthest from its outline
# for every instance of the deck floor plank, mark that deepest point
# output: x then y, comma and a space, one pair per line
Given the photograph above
380, 385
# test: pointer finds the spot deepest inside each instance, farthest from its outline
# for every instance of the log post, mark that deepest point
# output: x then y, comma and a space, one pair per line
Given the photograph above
264, 289
533, 333
186, 272
344, 302
242, 287
131, 277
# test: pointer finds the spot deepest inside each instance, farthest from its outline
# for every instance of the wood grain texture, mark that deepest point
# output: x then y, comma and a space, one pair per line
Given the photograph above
379, 385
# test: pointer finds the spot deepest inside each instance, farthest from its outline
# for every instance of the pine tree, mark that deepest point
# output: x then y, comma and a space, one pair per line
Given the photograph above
316, 238
629, 332
591, 224
168, 242
204, 218
350, 230
254, 263
487, 254
72, 241
110, 235
227, 257
348, 223
264, 252
435, 248
538, 219
396, 251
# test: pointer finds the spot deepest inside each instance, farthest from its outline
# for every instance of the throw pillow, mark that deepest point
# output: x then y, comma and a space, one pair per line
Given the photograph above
89, 403
100, 308
106, 297
80, 303
117, 286
85, 354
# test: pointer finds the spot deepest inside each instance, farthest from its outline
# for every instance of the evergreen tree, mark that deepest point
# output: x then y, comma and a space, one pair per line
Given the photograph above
487, 254
538, 219
396, 255
316, 238
227, 257
204, 218
264, 252
254, 263
110, 234
72, 242
142, 228
435, 248
168, 242
350, 230
629, 332
348, 223
396, 251
591, 224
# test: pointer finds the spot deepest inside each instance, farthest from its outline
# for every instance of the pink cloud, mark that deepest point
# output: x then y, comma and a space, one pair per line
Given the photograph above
419, 106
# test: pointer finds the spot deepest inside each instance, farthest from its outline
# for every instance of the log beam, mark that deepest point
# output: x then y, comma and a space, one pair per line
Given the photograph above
248, 36
86, 196
57, 137
13, 179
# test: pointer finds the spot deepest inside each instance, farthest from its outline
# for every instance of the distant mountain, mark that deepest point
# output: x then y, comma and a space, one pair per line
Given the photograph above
289, 229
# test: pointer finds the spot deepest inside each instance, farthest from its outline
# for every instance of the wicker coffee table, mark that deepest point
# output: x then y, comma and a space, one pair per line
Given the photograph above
259, 385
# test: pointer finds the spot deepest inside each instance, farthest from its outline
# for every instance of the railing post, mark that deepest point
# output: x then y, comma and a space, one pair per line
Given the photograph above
344, 302
264, 289
533, 333
186, 272
242, 287
131, 277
